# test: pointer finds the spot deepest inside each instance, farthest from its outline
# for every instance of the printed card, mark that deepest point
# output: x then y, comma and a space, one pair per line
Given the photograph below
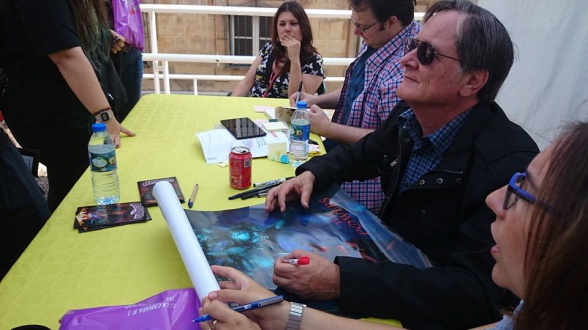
146, 190
96, 217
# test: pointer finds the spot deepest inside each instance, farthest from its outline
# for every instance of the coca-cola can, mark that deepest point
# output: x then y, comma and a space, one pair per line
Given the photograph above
240, 168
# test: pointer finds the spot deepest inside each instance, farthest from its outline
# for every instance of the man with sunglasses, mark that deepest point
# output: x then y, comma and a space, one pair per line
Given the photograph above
443, 149
368, 94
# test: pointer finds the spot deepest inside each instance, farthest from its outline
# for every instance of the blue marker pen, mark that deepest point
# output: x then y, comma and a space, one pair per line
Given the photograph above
247, 307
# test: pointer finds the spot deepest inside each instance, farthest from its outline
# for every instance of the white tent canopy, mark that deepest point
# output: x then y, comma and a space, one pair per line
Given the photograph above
548, 85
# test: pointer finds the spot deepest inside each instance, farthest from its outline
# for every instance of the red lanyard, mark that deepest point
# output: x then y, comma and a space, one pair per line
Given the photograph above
273, 77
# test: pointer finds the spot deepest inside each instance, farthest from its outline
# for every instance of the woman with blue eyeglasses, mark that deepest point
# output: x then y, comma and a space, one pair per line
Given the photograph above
541, 252
541, 234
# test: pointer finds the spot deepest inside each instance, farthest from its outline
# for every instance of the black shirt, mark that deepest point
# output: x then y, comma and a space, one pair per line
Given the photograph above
38, 99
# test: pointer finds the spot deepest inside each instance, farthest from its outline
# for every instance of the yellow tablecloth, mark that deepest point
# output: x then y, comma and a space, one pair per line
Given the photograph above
63, 269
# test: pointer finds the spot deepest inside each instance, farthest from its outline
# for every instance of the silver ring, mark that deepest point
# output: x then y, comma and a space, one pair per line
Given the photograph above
213, 325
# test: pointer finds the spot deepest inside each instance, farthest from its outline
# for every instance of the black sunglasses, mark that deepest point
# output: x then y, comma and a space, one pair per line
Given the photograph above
425, 51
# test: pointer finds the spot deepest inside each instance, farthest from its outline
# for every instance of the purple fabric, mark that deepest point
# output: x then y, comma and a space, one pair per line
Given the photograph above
171, 309
128, 21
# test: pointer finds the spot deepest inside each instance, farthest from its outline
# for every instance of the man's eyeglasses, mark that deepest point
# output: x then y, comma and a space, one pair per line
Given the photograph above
425, 51
362, 27
515, 190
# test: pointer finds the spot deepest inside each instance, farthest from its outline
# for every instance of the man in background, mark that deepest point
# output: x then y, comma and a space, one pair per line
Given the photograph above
368, 94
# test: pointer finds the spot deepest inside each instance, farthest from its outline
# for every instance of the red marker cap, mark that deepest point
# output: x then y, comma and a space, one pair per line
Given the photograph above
303, 261
300, 261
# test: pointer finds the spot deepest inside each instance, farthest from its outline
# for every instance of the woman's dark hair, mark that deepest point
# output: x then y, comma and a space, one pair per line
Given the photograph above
556, 267
306, 48
90, 19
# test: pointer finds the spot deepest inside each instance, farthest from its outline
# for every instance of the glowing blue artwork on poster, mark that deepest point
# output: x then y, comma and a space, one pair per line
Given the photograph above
251, 239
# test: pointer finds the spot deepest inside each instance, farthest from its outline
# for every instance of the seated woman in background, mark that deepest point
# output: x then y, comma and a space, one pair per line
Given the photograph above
287, 61
541, 250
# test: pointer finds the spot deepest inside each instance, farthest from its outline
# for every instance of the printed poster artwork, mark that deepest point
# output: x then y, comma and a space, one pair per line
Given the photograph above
250, 239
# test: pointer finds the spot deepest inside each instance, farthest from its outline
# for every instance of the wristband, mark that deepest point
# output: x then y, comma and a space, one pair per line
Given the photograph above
295, 317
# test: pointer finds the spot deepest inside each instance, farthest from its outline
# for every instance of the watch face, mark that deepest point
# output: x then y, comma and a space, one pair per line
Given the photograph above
105, 116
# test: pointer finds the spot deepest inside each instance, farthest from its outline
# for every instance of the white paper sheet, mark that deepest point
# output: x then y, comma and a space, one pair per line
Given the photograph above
217, 144
190, 250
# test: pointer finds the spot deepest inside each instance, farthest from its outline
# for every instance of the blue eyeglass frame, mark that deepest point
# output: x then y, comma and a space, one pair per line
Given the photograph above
513, 188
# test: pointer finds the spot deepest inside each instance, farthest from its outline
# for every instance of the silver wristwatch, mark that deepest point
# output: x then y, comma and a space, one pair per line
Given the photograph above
295, 317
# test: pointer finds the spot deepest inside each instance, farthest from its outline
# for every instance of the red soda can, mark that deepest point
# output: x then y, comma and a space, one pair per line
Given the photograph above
240, 167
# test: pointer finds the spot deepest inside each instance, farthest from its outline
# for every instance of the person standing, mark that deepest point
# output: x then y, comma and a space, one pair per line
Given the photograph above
368, 94
56, 55
23, 209
127, 58
285, 62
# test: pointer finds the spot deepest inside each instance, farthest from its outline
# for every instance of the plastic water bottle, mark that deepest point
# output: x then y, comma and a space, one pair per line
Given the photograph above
102, 152
299, 134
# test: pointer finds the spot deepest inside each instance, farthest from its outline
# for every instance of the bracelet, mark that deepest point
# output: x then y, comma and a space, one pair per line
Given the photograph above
101, 111
295, 316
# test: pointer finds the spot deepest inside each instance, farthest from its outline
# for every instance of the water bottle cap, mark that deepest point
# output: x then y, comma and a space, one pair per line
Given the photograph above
99, 127
301, 104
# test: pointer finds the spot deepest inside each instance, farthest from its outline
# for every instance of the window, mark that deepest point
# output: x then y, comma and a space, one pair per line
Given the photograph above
249, 34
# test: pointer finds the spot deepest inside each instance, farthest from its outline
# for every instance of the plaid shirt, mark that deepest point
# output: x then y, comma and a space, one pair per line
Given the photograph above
383, 74
427, 151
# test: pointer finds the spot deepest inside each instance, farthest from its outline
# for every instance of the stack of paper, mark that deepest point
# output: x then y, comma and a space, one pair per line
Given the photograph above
217, 144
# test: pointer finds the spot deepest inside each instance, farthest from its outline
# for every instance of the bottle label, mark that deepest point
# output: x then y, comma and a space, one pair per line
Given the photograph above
299, 132
103, 162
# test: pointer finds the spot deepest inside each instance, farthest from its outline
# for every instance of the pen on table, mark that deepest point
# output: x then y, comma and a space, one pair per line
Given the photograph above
262, 194
247, 307
252, 192
191, 200
270, 182
300, 261
299, 91
258, 192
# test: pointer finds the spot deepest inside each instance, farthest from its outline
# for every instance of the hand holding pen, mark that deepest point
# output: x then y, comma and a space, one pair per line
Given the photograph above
299, 92
304, 260
247, 307
241, 289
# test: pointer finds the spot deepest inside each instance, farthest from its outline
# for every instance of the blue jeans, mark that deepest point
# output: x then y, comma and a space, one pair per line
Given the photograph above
129, 65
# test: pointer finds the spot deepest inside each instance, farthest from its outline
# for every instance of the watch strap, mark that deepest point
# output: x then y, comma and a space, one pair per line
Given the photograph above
295, 316
104, 115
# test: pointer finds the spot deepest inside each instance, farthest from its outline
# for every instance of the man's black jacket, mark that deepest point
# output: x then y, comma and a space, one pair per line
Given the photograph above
443, 213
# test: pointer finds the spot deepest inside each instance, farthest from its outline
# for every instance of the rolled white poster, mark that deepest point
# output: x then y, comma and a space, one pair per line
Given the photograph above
194, 259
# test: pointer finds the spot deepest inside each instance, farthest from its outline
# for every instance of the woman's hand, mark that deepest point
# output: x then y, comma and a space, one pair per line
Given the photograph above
292, 46
224, 317
241, 289
118, 42
114, 128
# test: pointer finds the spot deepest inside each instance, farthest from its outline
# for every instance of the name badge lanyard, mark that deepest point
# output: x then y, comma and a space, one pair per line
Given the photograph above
273, 77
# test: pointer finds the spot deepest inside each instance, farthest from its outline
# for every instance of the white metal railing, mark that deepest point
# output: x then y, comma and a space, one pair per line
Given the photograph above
162, 71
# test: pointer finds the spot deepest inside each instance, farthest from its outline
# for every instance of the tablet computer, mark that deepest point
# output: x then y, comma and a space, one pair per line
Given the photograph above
243, 128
